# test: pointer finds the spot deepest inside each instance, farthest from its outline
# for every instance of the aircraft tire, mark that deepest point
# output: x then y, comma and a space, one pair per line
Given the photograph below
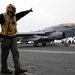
66, 44
35, 43
21, 42
43, 44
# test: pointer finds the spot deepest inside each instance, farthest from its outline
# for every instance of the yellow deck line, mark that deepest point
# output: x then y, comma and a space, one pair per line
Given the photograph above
27, 73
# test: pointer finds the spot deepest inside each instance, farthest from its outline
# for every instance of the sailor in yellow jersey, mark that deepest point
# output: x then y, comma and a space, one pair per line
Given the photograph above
8, 33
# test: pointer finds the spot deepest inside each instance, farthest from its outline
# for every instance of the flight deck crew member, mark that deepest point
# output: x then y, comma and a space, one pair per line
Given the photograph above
8, 33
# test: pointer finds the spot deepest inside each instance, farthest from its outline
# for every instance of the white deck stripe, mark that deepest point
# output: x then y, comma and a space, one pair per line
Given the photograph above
42, 51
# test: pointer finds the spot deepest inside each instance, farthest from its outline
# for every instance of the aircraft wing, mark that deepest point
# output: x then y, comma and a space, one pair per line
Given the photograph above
30, 34
34, 33
41, 36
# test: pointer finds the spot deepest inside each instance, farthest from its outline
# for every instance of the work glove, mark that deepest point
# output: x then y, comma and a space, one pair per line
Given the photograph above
31, 10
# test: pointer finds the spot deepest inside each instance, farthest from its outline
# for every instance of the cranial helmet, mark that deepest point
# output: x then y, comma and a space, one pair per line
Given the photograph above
10, 8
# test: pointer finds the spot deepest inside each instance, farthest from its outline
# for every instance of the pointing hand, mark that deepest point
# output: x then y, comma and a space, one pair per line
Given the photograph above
31, 10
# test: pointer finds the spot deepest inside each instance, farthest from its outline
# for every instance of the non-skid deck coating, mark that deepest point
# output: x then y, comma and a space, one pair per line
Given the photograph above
49, 60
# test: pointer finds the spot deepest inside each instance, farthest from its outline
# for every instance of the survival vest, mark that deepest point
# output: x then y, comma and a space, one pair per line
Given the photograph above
9, 26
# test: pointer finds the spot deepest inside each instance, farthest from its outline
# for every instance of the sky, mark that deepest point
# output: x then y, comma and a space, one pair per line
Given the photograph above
45, 13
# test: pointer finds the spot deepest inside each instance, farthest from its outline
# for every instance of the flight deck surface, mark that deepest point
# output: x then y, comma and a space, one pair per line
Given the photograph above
49, 60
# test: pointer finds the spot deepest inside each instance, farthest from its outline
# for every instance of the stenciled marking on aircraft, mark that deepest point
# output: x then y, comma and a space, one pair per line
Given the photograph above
26, 73
42, 51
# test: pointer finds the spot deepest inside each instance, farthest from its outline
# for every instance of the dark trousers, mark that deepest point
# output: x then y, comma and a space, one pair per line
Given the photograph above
6, 45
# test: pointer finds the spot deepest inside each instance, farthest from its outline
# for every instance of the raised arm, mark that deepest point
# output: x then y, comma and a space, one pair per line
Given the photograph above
22, 14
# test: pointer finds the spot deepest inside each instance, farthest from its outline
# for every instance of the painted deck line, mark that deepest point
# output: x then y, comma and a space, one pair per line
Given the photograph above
43, 51
26, 73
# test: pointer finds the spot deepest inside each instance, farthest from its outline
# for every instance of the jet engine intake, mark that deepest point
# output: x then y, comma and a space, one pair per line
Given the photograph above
57, 35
